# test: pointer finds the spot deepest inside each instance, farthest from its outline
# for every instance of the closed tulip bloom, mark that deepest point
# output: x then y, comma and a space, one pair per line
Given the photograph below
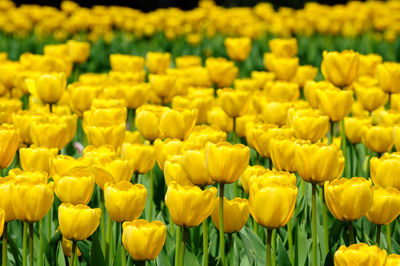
388, 75
74, 187
222, 72
371, 98
360, 255
238, 49
108, 134
308, 124
242, 121
200, 102
384, 170
9, 144
203, 134
396, 137
78, 222
386, 205
178, 124
158, 63
63, 163
236, 214
353, 127
282, 91
218, 118
8, 107
283, 68
377, 138
23, 121
250, 172
262, 77
340, 69
128, 63
47, 87
193, 162
104, 116
275, 113
317, 163
335, 103
6, 189
349, 199
283, 47
393, 260
262, 136
199, 204
163, 86
246, 84
120, 170
37, 158
32, 200
78, 51
368, 64
282, 152
81, 97
226, 162
124, 201
386, 117
168, 147
142, 239
395, 101
173, 171
283, 197
311, 88
305, 74
148, 120
136, 95
50, 135
188, 61
234, 102
143, 156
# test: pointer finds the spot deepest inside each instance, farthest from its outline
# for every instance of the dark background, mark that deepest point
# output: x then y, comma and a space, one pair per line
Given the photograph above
149, 5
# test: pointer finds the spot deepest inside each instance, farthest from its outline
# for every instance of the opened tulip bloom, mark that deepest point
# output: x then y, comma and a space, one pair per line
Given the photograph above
377, 138
262, 137
388, 75
175, 124
308, 124
158, 62
393, 260
353, 127
335, 103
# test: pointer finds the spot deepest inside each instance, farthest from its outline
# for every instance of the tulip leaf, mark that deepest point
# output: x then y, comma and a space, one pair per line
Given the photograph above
14, 251
84, 248
190, 258
253, 245
283, 257
96, 254
163, 259
60, 256
51, 247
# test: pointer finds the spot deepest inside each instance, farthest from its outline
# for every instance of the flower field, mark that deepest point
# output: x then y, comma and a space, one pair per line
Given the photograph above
214, 136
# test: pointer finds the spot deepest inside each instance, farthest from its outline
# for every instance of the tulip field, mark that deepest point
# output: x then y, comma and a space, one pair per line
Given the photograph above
213, 136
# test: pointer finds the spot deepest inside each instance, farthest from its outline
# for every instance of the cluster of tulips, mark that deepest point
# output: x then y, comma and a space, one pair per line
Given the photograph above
79, 160
352, 19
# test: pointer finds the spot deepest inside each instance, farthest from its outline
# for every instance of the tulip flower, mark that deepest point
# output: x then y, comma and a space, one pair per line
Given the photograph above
236, 214
262, 77
168, 147
173, 171
285, 48
75, 187
128, 63
50, 135
384, 170
193, 162
218, 118
136, 95
368, 64
335, 103
370, 135
222, 72
238, 49
388, 75
282, 152
194, 102
305, 74
78, 51
143, 157
9, 144
81, 97
275, 113
158, 63
103, 116
107, 134
241, 123
359, 255
371, 98
353, 127
203, 134
175, 124
234, 102
163, 87
250, 172
393, 260
340, 69
148, 120
311, 88
37, 158
308, 124
188, 61
283, 68
282, 91
47, 87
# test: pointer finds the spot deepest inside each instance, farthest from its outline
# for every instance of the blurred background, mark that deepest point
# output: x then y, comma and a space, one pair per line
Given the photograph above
150, 5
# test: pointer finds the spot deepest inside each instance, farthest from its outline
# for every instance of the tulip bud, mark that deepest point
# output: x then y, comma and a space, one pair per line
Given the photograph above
286, 48
148, 120
238, 49
47, 87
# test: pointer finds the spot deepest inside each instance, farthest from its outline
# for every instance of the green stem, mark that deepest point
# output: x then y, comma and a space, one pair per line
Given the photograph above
325, 219
172, 229
314, 223
4, 257
183, 243
49, 215
205, 243
178, 241
51, 107
255, 226
273, 241
268, 248
303, 187
378, 235
351, 233
31, 251
123, 252
110, 247
330, 139
270, 163
151, 195
136, 178
133, 117
389, 238
347, 169
221, 224
290, 241
73, 252
103, 221
24, 245
40, 243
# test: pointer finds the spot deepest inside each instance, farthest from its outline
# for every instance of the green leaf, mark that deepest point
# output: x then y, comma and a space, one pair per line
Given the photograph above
283, 257
163, 259
255, 249
190, 258
84, 247
14, 251
96, 254
50, 248
60, 255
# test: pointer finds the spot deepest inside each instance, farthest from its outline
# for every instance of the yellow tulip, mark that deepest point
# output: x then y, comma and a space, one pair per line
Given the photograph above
368, 64
360, 255
335, 103
241, 122
75, 187
9, 144
250, 172
187, 61
133, 137
78, 222
108, 134
81, 97
275, 113
194, 102
178, 124
384, 170
385, 206
377, 138
317, 163
283, 47
143, 156
388, 75
395, 101
67, 244
103, 116
386, 117
168, 147
61, 164
308, 124
193, 162
349, 199
396, 137
282, 152
218, 118
128, 63
158, 62
23, 121
37, 158
32, 200
246, 84
147, 121
284, 68
353, 127
282, 198
226, 162
393, 260
238, 49
2, 220
173, 171
78, 51
8, 107
234, 102
142, 239
282, 91
262, 77
311, 88
6, 189
163, 86
371, 98
124, 201
199, 204
262, 136
273, 176
50, 135
222, 72
203, 134
340, 69
236, 214
47, 87
136, 95
119, 169
305, 74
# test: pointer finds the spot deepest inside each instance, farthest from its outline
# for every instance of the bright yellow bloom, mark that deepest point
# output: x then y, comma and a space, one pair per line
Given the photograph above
143, 156
126, 63
50, 135
360, 255
203, 134
304, 74
158, 62
282, 199
99, 116
6, 189
9, 144
64, 163
388, 75
136, 95
236, 214
282, 152
201, 103
284, 68
37, 158
173, 171
283, 47
222, 72
262, 77
385, 207
81, 97
275, 176
234, 102
47, 87
226, 162
241, 123
246, 84
282, 91
368, 64
393, 260
199, 204
311, 88
8, 107
318, 163
163, 86
340, 69
335, 103
142, 239
238, 49
78, 52
218, 118
193, 162
188, 61
249, 173
168, 147
148, 119
349, 199
371, 98
124, 201
308, 124
78, 222
384, 170
108, 134
275, 113
178, 124
377, 138
353, 127
262, 136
